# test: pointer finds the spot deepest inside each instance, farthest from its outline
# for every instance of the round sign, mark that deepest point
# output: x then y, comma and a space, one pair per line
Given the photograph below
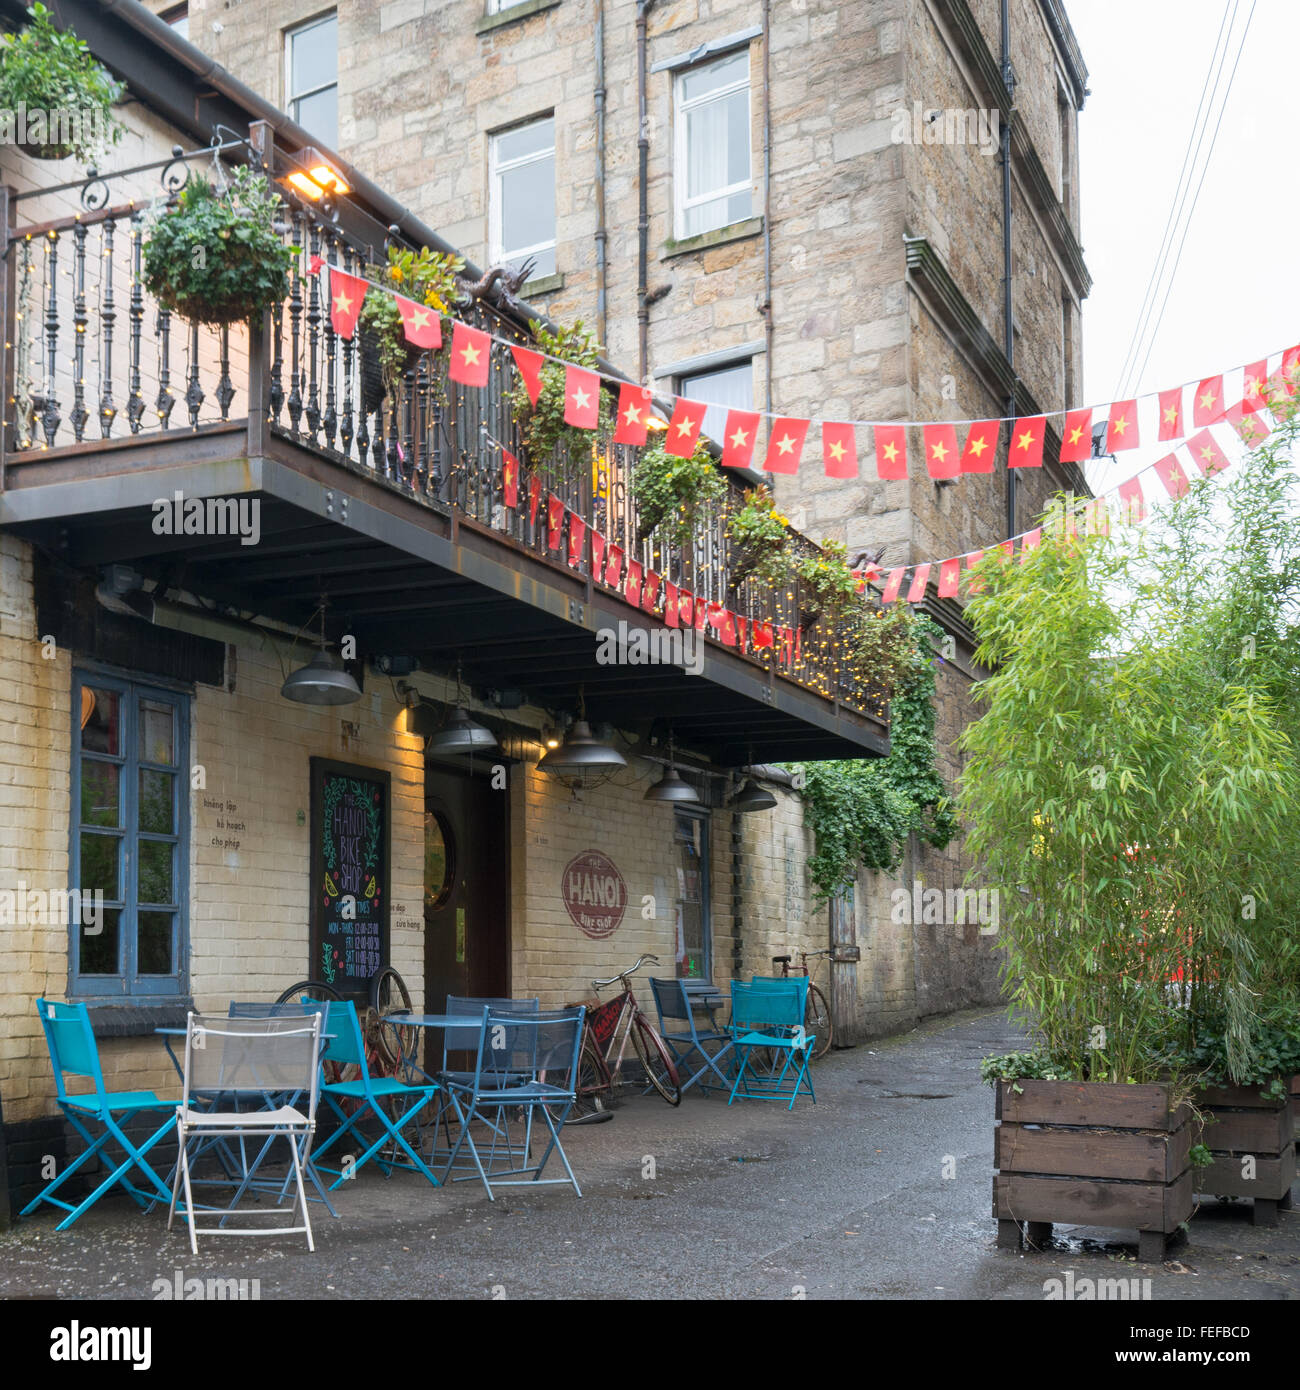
594, 893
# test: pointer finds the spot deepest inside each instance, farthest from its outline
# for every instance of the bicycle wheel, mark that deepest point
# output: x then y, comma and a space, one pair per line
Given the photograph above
817, 1021
394, 1045
309, 989
593, 1088
660, 1070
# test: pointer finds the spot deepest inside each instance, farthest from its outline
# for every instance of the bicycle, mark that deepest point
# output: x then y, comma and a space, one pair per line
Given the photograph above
605, 1036
388, 1044
817, 1012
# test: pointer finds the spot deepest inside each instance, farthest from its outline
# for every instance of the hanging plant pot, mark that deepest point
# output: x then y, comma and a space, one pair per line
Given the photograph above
374, 387
674, 494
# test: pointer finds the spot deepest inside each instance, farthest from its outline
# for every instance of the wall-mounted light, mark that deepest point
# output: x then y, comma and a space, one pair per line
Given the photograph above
315, 177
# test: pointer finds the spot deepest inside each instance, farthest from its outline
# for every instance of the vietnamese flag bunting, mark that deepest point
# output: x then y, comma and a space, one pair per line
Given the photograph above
597, 553
633, 412
920, 578
1207, 404
1122, 430
670, 604
421, 325
741, 623
1291, 369
1252, 386
314, 265
942, 459
1076, 442
949, 577
1133, 507
1026, 449
686, 607
785, 445
1171, 474
529, 366
893, 584
581, 397
981, 446
1206, 454
577, 535
346, 295
509, 478
684, 427
470, 351
650, 593
632, 589
839, 450
973, 585
891, 452
534, 497
701, 614
554, 521
1031, 540
762, 636
1171, 415
614, 567
1250, 427
738, 438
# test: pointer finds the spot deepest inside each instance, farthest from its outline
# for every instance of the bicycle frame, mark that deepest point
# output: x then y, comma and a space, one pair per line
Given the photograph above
622, 1031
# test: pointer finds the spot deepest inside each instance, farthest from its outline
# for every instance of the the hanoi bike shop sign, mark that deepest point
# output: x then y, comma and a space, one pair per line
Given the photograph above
594, 893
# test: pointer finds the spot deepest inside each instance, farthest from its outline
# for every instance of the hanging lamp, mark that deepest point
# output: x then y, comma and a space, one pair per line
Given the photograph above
323, 680
672, 786
461, 734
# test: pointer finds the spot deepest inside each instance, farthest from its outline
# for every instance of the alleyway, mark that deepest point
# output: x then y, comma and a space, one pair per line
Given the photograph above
846, 1199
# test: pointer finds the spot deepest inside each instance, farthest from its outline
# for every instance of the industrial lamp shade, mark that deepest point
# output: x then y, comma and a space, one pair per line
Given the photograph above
462, 735
752, 797
323, 681
580, 753
671, 787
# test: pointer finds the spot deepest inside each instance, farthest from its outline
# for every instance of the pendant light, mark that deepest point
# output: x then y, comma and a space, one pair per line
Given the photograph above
581, 754
672, 786
750, 796
461, 734
323, 681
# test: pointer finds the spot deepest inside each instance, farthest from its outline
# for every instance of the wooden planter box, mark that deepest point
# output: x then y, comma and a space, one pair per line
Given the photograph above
1091, 1154
1247, 1126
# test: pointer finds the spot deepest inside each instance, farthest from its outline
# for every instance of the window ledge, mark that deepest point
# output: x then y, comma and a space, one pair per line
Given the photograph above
720, 236
543, 284
136, 1020
489, 22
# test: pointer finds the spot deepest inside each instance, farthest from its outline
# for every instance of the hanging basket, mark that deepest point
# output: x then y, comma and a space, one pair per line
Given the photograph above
373, 386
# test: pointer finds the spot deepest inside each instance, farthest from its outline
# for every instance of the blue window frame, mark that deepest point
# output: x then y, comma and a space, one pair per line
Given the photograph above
130, 838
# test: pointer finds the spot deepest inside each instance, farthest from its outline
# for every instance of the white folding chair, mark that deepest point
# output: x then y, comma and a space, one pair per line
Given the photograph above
248, 1078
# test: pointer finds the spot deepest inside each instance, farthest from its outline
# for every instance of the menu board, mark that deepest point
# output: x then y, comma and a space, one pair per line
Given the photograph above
349, 873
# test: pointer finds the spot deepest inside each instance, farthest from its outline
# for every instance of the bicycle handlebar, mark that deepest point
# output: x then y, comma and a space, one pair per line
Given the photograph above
641, 960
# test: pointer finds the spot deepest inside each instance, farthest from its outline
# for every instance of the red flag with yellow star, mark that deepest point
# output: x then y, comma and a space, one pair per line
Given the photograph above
893, 584
633, 412
632, 589
839, 450
509, 478
942, 458
581, 397
577, 535
1291, 369
1076, 442
1122, 429
597, 553
1026, 449
891, 451
614, 566
554, 521
920, 578
1252, 385
785, 445
949, 577
981, 446
1250, 427
1206, 454
1171, 414
470, 350
1171, 474
346, 295
650, 592
670, 604
738, 438
421, 325
529, 365
686, 607
684, 427
1031, 540
534, 497
1207, 404
1133, 507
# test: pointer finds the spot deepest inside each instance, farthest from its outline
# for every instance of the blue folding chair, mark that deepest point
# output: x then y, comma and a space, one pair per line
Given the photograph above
74, 1052
348, 1048
769, 1021
526, 1062
467, 1039
673, 1003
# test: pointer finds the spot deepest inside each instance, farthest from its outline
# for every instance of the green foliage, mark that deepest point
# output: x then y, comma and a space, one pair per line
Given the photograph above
862, 811
428, 277
1273, 1060
672, 493
1200, 1156
827, 586
1130, 787
549, 440
216, 257
1032, 1065
760, 540
47, 70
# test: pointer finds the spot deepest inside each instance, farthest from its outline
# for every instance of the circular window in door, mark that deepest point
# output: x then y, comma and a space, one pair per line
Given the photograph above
439, 860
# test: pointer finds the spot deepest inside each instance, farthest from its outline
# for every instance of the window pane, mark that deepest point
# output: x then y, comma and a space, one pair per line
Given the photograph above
728, 388
157, 801
155, 872
319, 113
543, 262
100, 856
314, 56
692, 963
528, 205
537, 138
99, 952
157, 742
717, 145
99, 793
154, 943
101, 721
699, 82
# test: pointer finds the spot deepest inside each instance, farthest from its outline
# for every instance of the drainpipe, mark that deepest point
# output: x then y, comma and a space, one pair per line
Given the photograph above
643, 8
1008, 332
602, 232
768, 331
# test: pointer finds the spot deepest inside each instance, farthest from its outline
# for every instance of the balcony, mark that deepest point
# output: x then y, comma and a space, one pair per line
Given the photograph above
392, 507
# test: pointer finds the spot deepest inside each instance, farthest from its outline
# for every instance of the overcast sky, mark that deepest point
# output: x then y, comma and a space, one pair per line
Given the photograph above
1236, 295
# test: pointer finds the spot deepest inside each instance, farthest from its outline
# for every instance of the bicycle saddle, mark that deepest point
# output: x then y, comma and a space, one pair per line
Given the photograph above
781, 960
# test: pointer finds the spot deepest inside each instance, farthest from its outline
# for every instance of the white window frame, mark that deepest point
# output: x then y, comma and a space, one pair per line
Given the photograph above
681, 203
502, 6
497, 253
291, 98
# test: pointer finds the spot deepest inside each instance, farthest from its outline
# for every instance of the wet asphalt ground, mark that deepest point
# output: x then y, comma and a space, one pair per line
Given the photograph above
882, 1190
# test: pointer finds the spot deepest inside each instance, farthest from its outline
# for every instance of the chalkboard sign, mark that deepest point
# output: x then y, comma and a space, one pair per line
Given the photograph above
349, 874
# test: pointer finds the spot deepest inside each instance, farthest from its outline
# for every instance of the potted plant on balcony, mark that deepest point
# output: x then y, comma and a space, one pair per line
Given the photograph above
428, 277
1113, 778
550, 441
759, 539
65, 98
217, 256
672, 494
828, 588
